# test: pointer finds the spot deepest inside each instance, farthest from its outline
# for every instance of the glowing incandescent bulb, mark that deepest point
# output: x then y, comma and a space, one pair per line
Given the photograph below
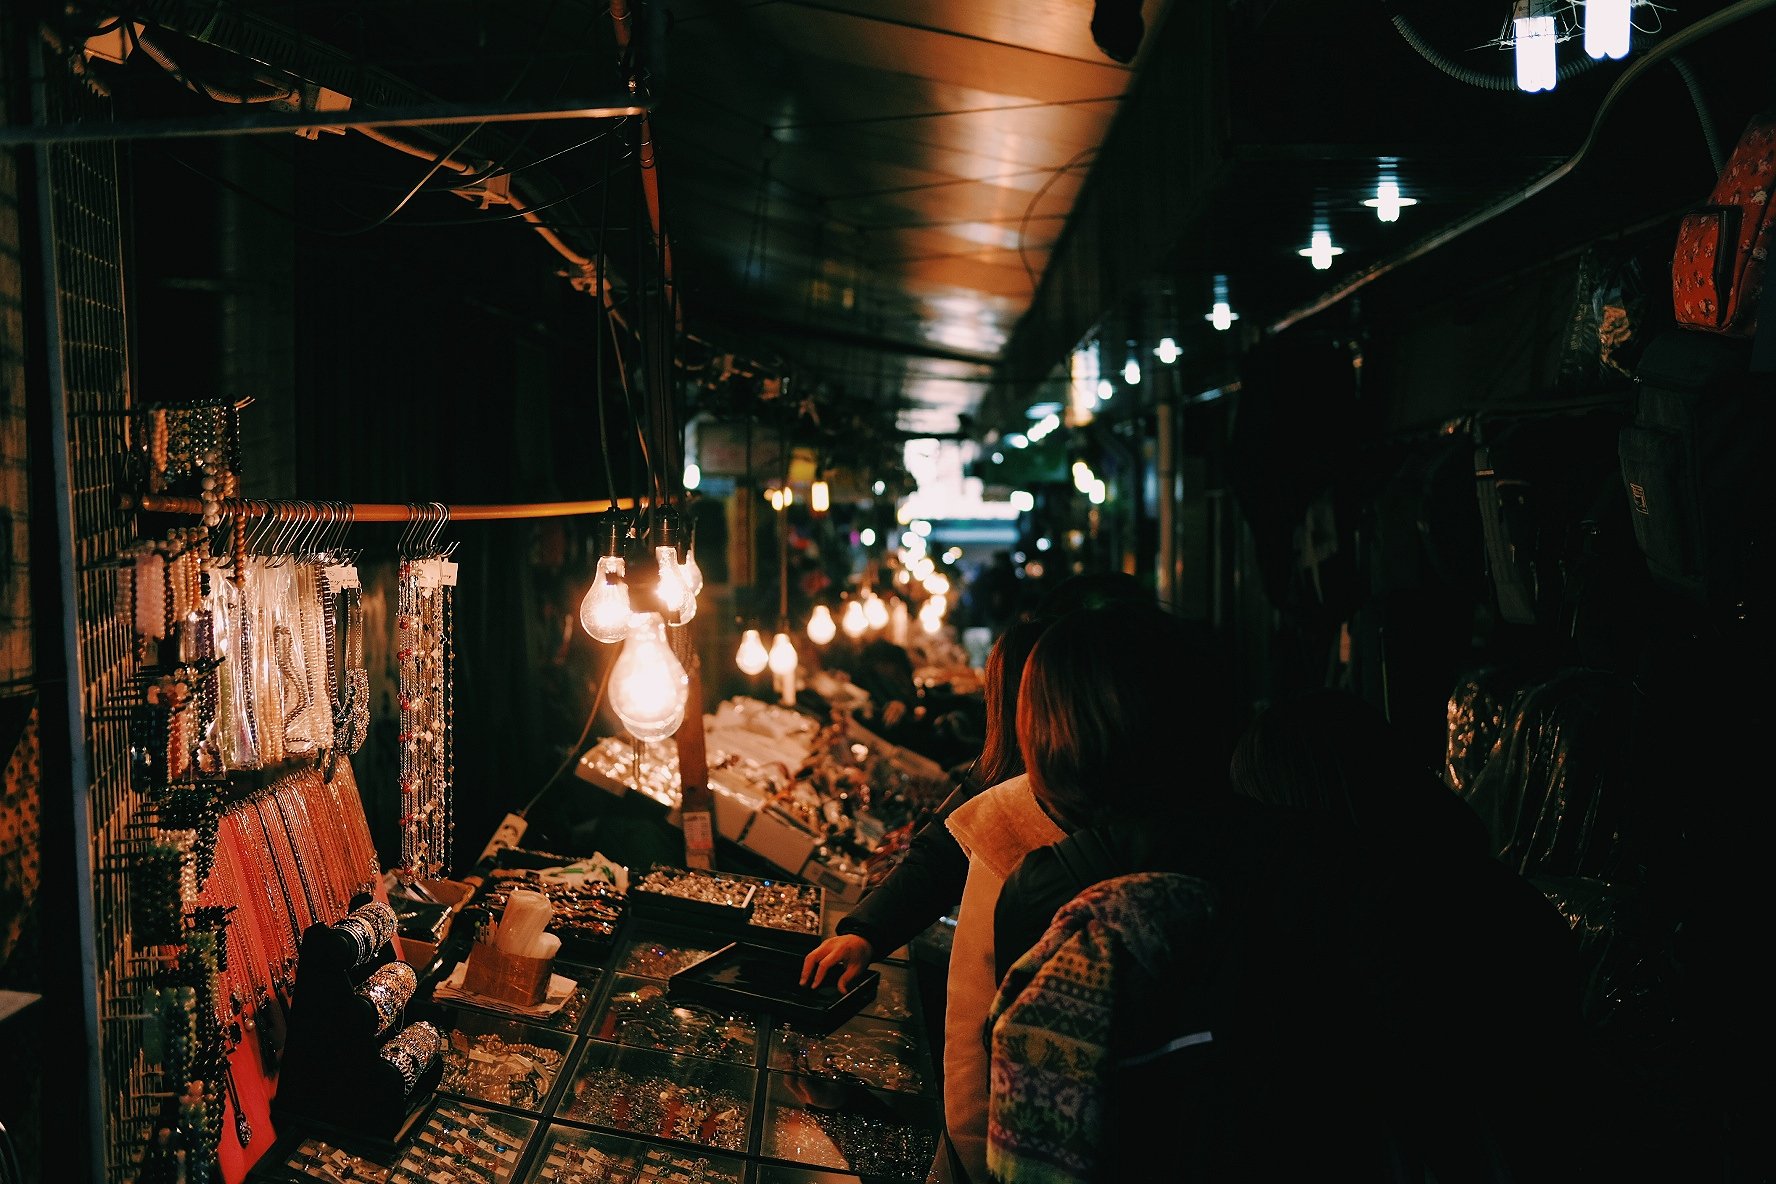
876, 612
648, 685
821, 626
752, 657
783, 655
693, 575
855, 620
820, 497
604, 610
675, 590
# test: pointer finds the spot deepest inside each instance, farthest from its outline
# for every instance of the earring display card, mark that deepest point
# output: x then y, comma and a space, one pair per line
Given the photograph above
640, 1014
765, 978
463, 1144
502, 1061
832, 1124
573, 1156
643, 1092
869, 1051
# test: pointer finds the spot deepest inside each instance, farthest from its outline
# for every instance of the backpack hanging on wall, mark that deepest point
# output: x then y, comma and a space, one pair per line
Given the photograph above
1692, 457
1705, 395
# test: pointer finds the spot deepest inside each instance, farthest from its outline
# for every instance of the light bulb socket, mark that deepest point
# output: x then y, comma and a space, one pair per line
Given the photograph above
608, 531
668, 530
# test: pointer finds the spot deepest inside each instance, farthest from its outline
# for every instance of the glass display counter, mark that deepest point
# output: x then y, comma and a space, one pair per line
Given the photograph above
625, 1085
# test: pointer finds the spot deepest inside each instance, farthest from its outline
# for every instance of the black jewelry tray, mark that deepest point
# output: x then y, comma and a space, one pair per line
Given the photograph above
766, 978
669, 906
748, 922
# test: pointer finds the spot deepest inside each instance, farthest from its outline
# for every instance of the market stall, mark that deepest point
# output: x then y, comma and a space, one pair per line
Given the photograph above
629, 1068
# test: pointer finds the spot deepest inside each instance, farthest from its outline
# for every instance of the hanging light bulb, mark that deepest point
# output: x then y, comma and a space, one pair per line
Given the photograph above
604, 610
1105, 389
1535, 39
820, 497
648, 685
1607, 28
783, 657
821, 626
1320, 249
752, 657
1131, 372
674, 590
1167, 350
855, 620
693, 575
876, 612
1221, 314
1387, 202
693, 476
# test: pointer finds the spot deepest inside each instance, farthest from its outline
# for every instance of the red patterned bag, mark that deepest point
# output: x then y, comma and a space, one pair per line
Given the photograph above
1717, 272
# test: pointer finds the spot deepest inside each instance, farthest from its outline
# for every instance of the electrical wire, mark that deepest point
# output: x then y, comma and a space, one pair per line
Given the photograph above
1709, 135
573, 752
1024, 222
604, 296
1479, 78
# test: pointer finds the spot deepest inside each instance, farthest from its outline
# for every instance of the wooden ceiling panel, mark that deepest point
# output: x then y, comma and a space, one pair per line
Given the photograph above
940, 57
1059, 27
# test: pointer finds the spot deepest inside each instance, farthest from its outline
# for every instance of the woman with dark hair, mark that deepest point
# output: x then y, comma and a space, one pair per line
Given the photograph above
1102, 693
928, 880
1360, 996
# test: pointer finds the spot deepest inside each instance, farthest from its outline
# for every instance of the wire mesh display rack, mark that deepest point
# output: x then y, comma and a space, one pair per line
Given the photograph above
87, 360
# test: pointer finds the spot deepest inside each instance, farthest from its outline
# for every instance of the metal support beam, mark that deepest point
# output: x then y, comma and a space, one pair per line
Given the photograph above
257, 123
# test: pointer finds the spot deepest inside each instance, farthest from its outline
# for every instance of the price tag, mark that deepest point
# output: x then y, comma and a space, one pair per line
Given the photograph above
447, 573
343, 575
699, 836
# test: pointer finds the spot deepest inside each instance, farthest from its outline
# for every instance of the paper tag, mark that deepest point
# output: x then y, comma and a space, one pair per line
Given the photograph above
699, 839
343, 576
447, 573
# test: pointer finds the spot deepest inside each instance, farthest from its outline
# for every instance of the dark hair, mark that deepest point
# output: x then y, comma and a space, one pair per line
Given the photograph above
1000, 756
1332, 753
1125, 709
1092, 589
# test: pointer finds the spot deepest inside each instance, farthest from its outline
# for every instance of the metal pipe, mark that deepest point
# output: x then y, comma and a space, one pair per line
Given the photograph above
158, 503
254, 123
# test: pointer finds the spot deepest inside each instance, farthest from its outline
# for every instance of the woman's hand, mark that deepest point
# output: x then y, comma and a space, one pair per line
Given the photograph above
846, 953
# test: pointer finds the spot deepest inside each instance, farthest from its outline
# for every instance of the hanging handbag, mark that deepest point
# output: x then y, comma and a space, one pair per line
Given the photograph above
1717, 271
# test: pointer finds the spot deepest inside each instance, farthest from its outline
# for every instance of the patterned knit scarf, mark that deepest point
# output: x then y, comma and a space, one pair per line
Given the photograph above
1054, 1023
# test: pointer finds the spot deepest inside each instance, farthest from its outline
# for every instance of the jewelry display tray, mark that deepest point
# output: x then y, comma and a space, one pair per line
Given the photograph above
751, 923
765, 978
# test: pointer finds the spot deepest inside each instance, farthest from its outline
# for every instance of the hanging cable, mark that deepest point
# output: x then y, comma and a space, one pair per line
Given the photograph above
573, 752
1479, 78
1709, 135
603, 294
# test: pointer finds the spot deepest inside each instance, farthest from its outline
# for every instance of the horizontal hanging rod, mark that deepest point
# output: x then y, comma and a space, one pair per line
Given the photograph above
275, 122
158, 503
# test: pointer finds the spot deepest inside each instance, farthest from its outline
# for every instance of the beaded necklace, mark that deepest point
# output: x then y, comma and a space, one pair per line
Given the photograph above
276, 915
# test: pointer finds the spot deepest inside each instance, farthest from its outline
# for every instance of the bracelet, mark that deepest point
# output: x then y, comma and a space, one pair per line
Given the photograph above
387, 991
412, 1051
370, 926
